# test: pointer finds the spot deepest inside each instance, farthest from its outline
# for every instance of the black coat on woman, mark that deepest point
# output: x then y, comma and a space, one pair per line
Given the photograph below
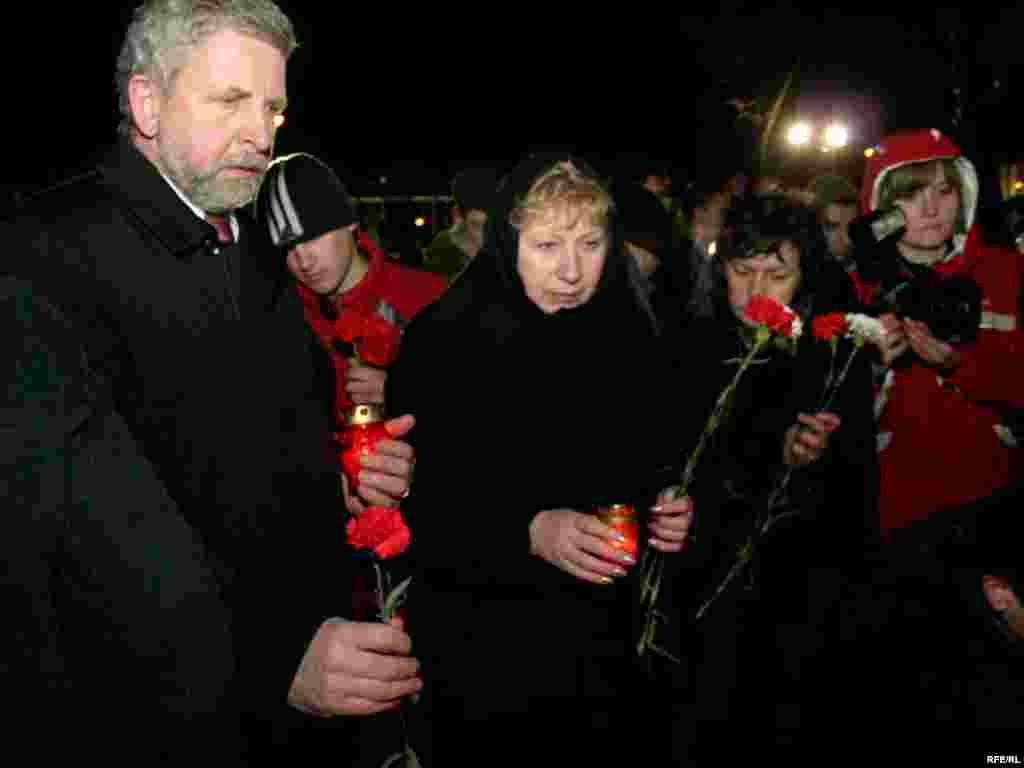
751, 651
520, 411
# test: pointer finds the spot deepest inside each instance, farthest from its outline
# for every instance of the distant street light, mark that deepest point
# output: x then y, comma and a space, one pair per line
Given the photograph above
799, 134
836, 135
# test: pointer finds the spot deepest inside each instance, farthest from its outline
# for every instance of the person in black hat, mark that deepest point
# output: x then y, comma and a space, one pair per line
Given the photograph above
208, 366
340, 273
343, 278
454, 248
647, 232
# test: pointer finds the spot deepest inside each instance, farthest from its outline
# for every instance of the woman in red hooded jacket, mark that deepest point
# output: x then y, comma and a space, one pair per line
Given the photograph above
940, 403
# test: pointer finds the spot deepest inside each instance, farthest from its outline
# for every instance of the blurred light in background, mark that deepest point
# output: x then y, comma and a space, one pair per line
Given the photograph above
799, 134
836, 135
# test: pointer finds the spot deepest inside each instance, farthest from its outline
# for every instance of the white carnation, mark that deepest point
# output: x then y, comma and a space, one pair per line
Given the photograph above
864, 328
797, 328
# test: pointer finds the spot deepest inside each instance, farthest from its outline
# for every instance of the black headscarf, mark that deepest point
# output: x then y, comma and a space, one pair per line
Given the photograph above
576, 393
495, 272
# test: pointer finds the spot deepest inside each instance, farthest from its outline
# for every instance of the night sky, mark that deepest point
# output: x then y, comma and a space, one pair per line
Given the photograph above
413, 95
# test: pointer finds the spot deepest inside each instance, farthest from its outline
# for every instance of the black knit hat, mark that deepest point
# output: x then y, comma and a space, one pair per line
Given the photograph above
473, 188
645, 222
301, 199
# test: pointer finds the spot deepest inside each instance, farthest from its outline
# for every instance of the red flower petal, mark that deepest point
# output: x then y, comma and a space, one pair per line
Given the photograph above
381, 529
830, 326
762, 310
395, 544
379, 346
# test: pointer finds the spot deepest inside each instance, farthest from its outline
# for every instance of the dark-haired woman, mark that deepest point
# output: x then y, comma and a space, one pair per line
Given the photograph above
756, 634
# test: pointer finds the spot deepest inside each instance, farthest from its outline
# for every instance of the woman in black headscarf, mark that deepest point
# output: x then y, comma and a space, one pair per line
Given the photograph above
539, 394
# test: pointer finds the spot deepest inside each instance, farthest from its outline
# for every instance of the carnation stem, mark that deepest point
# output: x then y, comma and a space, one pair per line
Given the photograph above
382, 591
737, 568
834, 390
386, 615
653, 566
832, 387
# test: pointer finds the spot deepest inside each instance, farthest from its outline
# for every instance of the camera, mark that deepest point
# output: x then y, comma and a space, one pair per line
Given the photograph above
950, 305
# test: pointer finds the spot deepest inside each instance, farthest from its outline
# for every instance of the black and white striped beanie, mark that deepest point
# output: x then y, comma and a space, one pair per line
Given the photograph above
301, 199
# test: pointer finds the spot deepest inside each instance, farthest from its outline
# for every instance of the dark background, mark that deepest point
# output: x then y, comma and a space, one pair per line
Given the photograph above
412, 95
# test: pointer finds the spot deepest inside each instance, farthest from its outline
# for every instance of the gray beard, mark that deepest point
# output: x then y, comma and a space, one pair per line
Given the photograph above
217, 195
209, 192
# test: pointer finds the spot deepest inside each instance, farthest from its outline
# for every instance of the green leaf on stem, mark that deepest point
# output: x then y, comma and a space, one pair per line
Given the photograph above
746, 551
404, 759
394, 600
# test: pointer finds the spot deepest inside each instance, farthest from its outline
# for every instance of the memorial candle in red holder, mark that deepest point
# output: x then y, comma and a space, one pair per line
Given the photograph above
623, 519
363, 429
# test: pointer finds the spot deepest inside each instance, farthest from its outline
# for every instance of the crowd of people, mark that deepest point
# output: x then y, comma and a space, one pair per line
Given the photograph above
182, 338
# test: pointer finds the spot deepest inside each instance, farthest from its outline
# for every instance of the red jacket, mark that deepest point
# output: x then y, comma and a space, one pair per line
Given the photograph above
388, 290
938, 446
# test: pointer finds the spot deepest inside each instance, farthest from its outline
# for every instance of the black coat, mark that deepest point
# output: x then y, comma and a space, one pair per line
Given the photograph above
517, 412
751, 651
211, 366
919, 643
111, 611
836, 497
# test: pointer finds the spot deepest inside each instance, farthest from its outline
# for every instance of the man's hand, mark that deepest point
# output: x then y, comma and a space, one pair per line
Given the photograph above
355, 668
386, 475
578, 544
932, 352
893, 342
365, 384
670, 521
806, 441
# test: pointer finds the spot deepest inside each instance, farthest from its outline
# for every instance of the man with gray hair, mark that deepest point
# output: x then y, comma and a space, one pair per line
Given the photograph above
184, 315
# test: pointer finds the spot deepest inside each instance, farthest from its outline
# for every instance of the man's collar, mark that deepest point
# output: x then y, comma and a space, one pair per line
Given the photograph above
199, 212
154, 201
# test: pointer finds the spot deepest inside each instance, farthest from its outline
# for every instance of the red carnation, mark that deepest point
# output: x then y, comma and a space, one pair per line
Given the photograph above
762, 310
830, 326
350, 325
379, 342
381, 529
